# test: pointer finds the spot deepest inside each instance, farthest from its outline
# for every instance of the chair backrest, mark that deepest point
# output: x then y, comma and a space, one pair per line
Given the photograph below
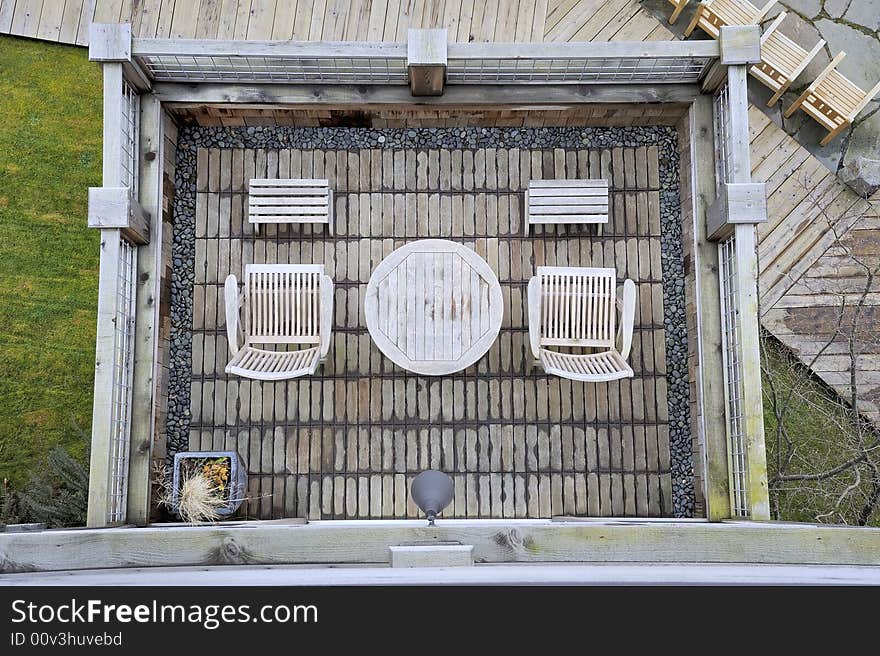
282, 303
578, 306
734, 12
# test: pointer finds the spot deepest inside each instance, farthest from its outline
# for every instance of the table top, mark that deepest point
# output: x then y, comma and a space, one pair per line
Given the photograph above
433, 307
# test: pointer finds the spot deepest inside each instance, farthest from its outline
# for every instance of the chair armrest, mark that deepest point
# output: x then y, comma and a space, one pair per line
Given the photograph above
806, 60
868, 97
764, 11
627, 318
233, 303
326, 327
533, 296
831, 66
773, 26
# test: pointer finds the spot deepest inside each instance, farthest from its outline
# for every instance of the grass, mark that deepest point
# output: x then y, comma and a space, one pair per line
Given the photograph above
814, 419
50, 153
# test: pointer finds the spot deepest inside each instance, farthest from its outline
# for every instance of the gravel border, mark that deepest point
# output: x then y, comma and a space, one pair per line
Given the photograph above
341, 138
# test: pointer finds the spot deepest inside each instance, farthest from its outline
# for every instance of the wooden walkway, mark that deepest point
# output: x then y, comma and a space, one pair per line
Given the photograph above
816, 225
346, 442
67, 21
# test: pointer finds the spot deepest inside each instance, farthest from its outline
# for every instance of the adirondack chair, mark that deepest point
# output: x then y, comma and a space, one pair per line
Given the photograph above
283, 305
712, 15
832, 100
576, 308
679, 5
782, 60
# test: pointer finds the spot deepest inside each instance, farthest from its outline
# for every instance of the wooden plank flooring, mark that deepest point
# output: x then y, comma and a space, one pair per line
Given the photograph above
347, 442
67, 21
806, 265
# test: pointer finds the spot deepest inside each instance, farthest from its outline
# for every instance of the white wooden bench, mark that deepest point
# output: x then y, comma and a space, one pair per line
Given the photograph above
566, 201
575, 308
282, 305
277, 200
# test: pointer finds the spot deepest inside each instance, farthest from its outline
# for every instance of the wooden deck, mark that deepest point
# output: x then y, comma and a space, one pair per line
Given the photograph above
799, 258
346, 443
806, 270
67, 21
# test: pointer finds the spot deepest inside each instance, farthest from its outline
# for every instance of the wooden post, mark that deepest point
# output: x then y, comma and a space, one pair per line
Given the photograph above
712, 424
426, 61
102, 409
750, 357
147, 314
737, 219
112, 152
747, 297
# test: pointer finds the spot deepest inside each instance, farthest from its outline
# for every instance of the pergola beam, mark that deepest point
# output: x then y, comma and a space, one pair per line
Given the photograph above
366, 49
512, 94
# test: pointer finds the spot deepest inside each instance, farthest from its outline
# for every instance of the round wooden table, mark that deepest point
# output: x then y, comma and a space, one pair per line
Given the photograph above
433, 307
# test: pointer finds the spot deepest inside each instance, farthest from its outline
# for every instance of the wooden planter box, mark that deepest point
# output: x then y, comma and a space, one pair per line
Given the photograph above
237, 477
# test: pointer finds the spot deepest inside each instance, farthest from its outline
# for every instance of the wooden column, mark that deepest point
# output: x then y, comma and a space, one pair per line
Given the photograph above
713, 422
118, 216
747, 297
102, 409
426, 61
147, 314
102, 414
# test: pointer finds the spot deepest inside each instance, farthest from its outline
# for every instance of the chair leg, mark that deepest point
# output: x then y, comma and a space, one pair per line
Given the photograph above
694, 20
776, 96
677, 11
831, 135
797, 103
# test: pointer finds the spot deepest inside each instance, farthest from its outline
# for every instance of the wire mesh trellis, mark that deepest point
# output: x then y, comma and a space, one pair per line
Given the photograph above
733, 376
131, 106
123, 368
465, 70
231, 68
391, 68
721, 107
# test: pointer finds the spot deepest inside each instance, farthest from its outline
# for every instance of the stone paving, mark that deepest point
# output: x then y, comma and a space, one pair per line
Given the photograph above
851, 26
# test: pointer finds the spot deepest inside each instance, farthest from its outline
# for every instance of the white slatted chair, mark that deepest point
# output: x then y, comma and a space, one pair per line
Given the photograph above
280, 200
832, 100
576, 308
782, 60
283, 305
566, 201
712, 15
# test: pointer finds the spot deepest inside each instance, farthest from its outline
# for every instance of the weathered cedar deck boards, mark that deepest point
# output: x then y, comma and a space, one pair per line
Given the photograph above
67, 21
805, 271
346, 442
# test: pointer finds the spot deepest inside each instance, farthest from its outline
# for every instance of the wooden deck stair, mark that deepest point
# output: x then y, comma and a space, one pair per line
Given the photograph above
800, 256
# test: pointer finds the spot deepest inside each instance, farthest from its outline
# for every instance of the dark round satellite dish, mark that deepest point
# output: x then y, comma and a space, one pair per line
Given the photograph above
432, 491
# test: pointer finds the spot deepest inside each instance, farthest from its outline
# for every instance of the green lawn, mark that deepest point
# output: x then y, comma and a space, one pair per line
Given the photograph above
50, 153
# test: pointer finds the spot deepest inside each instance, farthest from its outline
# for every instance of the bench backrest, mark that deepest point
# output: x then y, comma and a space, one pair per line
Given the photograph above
282, 303
275, 200
578, 306
568, 201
